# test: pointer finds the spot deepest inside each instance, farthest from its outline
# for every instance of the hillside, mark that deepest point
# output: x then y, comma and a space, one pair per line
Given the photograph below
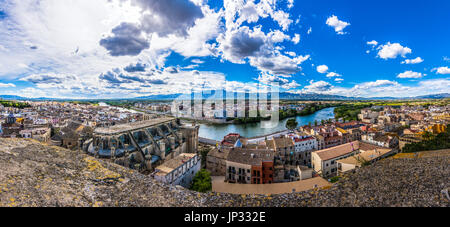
32, 174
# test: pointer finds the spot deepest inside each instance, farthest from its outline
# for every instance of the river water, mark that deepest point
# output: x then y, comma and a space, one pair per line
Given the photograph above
217, 132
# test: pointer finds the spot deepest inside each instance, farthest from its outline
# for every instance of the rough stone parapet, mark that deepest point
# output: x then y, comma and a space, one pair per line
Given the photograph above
34, 174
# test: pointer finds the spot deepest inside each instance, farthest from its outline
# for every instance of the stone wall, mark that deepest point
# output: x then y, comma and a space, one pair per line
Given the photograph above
34, 174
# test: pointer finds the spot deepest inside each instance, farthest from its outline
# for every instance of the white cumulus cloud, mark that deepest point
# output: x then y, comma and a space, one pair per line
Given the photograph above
296, 39
413, 61
373, 43
410, 74
337, 24
333, 74
392, 51
442, 70
322, 69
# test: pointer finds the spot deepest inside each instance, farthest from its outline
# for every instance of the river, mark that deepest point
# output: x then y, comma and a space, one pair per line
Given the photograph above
217, 132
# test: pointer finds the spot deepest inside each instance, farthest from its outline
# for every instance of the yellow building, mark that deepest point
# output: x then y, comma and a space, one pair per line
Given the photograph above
438, 128
435, 129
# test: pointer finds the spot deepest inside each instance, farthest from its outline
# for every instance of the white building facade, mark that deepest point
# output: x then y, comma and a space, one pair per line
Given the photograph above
179, 170
304, 145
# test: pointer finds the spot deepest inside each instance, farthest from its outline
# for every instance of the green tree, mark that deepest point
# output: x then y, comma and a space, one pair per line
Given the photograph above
430, 142
291, 124
427, 135
202, 181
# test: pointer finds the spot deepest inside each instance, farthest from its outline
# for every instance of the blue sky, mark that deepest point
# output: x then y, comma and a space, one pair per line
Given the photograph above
85, 49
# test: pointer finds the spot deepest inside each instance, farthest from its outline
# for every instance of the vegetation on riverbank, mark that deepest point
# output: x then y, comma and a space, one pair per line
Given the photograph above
247, 120
291, 124
349, 112
14, 104
307, 110
94, 103
120, 104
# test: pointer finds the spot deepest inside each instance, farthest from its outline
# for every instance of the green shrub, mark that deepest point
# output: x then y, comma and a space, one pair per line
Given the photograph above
334, 179
202, 181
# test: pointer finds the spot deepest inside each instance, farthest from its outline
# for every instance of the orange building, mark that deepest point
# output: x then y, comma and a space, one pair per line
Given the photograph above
256, 174
267, 172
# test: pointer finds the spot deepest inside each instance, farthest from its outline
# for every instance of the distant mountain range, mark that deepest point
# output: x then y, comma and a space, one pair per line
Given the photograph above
435, 96
15, 97
282, 95
305, 96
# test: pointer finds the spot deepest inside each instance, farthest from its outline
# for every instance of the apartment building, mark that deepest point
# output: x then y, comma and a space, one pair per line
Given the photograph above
379, 139
250, 166
179, 170
304, 145
364, 157
283, 147
324, 161
216, 161
39, 134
